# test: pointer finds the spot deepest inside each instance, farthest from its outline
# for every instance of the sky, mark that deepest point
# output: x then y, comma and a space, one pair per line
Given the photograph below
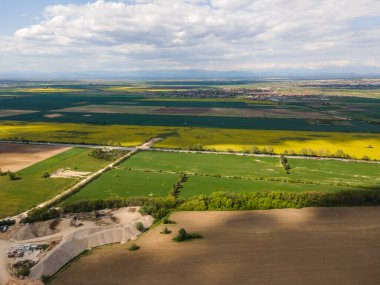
53, 36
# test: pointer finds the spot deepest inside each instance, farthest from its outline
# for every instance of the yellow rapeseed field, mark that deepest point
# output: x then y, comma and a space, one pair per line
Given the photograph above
355, 144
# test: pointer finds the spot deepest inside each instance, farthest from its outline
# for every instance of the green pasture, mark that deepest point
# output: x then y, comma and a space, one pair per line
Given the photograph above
122, 183
307, 170
197, 185
152, 174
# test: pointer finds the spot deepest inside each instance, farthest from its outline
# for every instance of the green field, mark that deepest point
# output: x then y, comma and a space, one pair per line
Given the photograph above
197, 185
120, 183
151, 174
306, 170
20, 195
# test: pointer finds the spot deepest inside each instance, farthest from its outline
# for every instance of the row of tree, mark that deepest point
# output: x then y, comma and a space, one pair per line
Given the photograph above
176, 188
285, 164
161, 207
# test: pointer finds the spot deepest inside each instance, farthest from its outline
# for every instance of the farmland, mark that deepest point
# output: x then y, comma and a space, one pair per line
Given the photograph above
355, 144
301, 117
120, 184
152, 174
32, 188
15, 157
304, 117
287, 246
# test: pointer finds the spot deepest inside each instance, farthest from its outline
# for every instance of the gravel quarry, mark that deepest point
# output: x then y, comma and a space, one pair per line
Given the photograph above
63, 242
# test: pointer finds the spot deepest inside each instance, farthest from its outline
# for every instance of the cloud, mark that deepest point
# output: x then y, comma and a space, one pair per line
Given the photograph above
201, 34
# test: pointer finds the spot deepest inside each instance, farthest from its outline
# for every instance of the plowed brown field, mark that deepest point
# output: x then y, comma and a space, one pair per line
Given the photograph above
307, 246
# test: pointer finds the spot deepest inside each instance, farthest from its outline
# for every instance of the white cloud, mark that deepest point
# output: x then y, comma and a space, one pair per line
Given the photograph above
204, 34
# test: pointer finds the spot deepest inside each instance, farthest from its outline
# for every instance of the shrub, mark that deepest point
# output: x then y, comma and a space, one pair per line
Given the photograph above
23, 272
140, 227
12, 176
166, 221
133, 247
40, 214
46, 175
45, 279
166, 231
184, 236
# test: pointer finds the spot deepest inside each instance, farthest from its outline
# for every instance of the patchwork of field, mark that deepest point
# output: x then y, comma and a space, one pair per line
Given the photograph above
14, 157
226, 105
31, 188
204, 111
288, 246
324, 143
152, 174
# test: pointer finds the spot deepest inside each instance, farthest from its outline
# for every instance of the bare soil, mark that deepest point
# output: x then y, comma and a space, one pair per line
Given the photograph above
15, 157
68, 173
52, 116
289, 246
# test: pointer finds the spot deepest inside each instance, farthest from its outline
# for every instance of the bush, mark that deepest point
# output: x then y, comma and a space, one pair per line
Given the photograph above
46, 175
45, 279
140, 227
23, 272
166, 231
40, 214
12, 176
133, 247
184, 236
166, 221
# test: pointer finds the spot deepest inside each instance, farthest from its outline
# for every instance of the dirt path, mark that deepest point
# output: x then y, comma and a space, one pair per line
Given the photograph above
288, 246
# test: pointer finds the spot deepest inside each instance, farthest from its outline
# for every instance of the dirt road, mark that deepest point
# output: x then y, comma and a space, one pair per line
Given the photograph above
288, 246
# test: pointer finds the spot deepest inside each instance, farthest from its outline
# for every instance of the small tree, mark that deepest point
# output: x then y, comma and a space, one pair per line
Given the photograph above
12, 176
166, 231
140, 227
133, 247
183, 236
46, 175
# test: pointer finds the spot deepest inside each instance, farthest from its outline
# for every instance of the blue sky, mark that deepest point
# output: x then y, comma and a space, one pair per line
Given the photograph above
246, 35
17, 14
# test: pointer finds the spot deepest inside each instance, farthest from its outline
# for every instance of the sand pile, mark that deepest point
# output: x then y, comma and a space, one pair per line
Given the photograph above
34, 230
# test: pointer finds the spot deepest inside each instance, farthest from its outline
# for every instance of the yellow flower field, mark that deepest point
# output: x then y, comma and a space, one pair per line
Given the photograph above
324, 143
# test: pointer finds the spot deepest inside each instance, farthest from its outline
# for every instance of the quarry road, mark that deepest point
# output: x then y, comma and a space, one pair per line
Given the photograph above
150, 144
